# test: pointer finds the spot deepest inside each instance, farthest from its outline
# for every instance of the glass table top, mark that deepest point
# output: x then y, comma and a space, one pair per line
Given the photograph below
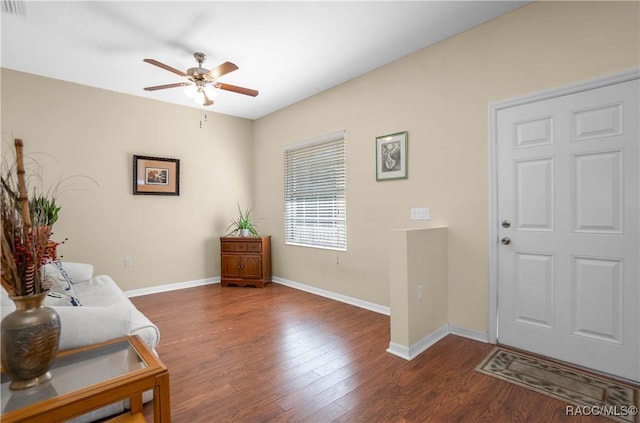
73, 372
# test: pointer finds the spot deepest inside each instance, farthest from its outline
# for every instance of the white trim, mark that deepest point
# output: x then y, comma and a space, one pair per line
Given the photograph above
470, 334
417, 348
494, 108
422, 345
171, 287
399, 350
568, 89
492, 324
334, 296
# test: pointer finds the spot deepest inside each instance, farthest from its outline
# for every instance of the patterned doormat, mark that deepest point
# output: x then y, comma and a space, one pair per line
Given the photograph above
587, 394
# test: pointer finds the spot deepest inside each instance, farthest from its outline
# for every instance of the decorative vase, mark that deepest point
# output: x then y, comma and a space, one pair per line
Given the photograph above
245, 232
30, 337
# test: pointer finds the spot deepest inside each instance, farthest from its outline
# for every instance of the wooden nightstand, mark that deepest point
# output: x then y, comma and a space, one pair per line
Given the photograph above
245, 261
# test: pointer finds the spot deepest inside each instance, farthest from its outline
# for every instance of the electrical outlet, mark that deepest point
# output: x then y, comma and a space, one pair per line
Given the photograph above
420, 292
127, 262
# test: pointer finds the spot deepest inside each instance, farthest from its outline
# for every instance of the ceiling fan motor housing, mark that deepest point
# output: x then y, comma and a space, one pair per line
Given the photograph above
199, 74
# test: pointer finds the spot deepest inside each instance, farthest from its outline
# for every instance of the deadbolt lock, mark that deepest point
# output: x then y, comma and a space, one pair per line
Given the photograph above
506, 223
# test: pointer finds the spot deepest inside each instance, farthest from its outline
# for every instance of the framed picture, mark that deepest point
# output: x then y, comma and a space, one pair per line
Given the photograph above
156, 176
391, 156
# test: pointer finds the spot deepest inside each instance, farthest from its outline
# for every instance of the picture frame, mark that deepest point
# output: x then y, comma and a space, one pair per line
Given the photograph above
391, 156
156, 176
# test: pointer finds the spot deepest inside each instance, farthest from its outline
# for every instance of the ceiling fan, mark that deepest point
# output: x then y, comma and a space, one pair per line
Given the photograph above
201, 82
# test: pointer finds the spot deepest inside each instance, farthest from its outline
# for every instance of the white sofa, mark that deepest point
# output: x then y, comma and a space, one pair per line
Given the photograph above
105, 313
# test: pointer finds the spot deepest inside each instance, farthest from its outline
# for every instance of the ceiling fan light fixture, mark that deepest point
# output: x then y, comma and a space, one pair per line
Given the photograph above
211, 92
190, 90
199, 97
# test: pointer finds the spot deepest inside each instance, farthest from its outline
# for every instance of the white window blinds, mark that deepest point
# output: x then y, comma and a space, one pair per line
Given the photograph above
315, 193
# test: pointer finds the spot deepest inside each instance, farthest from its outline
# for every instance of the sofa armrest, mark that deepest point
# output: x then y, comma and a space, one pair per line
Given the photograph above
82, 326
78, 271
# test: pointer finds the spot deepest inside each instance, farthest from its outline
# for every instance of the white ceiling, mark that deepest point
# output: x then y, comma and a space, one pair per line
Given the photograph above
286, 50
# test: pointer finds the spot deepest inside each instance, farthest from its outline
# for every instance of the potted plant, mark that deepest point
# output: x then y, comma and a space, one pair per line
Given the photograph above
243, 224
44, 210
44, 213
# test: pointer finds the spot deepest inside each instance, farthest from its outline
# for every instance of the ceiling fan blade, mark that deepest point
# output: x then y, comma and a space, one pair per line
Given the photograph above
165, 67
223, 69
162, 87
236, 89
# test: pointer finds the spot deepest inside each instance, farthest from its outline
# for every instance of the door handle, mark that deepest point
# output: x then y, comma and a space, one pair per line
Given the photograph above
506, 240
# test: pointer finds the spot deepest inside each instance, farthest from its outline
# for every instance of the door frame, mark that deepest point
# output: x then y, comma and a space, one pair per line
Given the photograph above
494, 108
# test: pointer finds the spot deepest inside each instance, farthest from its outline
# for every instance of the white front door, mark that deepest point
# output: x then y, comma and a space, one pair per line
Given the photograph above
568, 216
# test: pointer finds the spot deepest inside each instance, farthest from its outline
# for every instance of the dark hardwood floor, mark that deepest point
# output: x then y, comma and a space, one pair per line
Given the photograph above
242, 354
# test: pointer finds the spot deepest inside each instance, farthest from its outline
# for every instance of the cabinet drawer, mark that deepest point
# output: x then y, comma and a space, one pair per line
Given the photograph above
230, 247
239, 247
254, 247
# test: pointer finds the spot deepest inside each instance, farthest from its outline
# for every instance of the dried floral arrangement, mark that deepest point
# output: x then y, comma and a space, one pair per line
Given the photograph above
26, 229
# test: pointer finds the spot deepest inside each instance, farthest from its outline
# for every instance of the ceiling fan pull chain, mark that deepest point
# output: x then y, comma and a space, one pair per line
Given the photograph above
203, 119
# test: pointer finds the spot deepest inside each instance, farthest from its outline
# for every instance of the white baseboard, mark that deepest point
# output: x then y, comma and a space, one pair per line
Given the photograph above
334, 296
414, 350
417, 348
468, 333
399, 350
171, 287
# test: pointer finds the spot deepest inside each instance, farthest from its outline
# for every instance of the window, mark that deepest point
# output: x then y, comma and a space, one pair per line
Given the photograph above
315, 193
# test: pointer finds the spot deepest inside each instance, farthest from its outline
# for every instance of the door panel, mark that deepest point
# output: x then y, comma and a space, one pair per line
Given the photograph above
534, 132
598, 122
534, 289
534, 194
568, 274
598, 195
597, 285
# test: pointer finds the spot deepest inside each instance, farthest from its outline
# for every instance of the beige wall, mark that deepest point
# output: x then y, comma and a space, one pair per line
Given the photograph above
440, 95
76, 130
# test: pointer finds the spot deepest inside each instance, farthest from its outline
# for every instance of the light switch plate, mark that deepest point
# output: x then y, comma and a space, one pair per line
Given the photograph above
420, 213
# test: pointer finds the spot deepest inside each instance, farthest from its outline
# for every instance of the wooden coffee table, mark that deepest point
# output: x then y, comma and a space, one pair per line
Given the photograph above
92, 377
